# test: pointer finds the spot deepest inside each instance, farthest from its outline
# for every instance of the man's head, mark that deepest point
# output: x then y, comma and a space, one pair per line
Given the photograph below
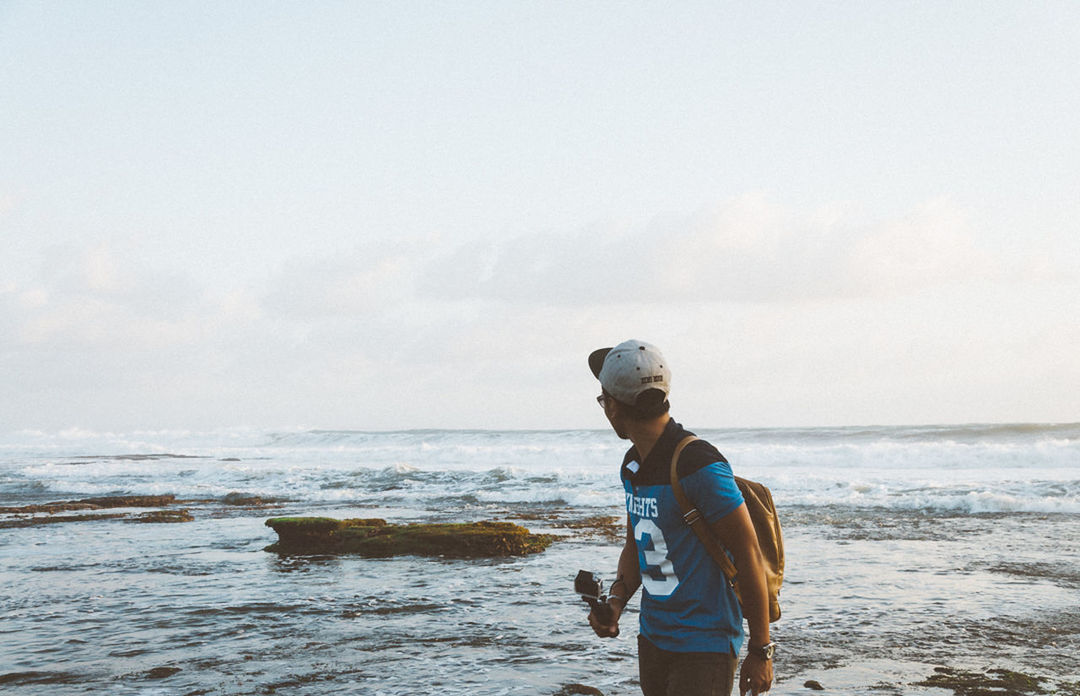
635, 375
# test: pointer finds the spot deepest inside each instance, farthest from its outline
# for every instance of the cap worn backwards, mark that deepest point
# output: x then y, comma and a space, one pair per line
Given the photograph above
630, 369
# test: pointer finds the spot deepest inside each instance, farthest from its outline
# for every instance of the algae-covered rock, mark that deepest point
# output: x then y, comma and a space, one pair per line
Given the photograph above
376, 538
579, 690
238, 499
46, 513
992, 682
182, 515
58, 519
107, 502
166, 516
162, 672
606, 526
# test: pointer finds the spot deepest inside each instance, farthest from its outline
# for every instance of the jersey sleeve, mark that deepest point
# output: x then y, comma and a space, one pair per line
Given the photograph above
713, 491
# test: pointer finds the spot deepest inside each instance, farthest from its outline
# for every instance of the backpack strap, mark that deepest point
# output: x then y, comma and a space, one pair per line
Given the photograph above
693, 517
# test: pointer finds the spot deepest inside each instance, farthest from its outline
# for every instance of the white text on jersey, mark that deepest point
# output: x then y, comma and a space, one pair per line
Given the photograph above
642, 507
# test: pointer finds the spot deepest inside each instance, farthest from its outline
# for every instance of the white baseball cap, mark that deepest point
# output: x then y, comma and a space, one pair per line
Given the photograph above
630, 369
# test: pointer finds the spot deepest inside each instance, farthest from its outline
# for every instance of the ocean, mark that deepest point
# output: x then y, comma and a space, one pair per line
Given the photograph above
910, 551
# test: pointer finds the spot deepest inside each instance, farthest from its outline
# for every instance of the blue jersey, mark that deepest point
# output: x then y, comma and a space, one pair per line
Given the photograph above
687, 604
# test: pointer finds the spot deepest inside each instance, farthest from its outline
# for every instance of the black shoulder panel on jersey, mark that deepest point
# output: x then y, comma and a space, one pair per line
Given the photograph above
697, 455
656, 470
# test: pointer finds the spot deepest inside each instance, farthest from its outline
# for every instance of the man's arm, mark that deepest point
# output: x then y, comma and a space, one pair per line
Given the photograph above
736, 532
627, 582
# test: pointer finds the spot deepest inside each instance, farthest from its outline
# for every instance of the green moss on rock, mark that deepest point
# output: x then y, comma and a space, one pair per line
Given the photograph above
166, 516
237, 499
992, 682
579, 690
375, 538
58, 519
123, 501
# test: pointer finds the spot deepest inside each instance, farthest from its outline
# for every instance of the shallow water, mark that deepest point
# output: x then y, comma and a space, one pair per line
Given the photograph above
892, 570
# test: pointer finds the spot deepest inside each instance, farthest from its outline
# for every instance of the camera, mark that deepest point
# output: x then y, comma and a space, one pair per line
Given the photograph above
591, 589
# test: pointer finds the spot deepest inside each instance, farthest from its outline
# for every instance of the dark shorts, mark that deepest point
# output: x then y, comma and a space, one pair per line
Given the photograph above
665, 673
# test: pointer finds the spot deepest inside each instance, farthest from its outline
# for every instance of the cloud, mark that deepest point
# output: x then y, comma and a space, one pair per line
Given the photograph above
7, 204
764, 302
933, 245
100, 298
352, 284
747, 250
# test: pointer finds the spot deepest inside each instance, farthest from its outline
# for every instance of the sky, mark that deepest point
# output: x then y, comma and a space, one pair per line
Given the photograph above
397, 215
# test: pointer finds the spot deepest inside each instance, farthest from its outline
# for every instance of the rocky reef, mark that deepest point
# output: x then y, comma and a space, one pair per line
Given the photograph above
46, 513
997, 682
104, 503
607, 527
375, 538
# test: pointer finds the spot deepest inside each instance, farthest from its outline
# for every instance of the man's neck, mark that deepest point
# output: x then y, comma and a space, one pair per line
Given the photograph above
644, 434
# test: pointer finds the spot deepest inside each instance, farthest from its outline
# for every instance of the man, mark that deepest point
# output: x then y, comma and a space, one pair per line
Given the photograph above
691, 623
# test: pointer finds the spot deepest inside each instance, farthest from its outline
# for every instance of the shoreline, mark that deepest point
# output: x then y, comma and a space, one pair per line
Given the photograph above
892, 587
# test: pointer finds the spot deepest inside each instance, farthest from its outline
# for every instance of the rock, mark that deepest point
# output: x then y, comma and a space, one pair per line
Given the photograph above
131, 501
573, 689
613, 528
375, 538
162, 672
57, 519
241, 500
96, 504
992, 681
48, 511
562, 518
815, 685
164, 516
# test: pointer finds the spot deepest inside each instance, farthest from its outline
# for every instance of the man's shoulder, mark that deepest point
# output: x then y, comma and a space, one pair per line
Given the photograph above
698, 455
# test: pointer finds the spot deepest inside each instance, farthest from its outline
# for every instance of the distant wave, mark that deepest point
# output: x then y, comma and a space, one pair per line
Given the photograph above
976, 468
301, 437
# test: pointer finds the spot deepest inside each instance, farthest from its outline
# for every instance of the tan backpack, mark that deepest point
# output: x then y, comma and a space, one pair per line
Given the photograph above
759, 502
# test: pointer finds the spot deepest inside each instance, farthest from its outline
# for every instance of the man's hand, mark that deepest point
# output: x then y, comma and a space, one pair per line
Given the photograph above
755, 676
607, 630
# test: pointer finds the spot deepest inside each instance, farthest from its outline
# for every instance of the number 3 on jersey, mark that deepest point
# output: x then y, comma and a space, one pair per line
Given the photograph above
659, 576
